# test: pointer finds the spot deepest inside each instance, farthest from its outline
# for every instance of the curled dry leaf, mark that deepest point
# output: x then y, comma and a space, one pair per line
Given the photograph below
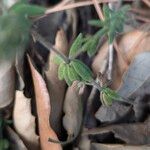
43, 111
97, 146
7, 83
24, 121
73, 110
15, 142
134, 133
129, 45
56, 87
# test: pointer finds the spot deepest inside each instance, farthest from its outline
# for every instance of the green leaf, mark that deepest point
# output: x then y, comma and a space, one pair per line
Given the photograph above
4, 144
106, 100
92, 45
66, 77
96, 23
27, 9
58, 60
83, 71
107, 12
111, 94
72, 74
76, 46
61, 69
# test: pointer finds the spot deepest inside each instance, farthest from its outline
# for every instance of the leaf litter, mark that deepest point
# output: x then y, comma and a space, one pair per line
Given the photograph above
60, 110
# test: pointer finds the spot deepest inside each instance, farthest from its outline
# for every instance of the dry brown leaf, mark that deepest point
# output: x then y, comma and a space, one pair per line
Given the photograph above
128, 45
135, 42
73, 110
43, 111
56, 87
24, 121
7, 83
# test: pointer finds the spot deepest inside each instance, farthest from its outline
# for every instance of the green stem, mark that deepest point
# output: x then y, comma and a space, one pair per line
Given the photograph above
48, 45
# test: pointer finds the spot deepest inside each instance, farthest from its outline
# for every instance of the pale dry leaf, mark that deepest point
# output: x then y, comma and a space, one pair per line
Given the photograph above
7, 83
56, 87
24, 121
16, 142
135, 42
44, 111
73, 110
98, 146
137, 74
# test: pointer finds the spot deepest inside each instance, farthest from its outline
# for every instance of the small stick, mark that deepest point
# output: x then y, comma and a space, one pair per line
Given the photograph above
78, 4
98, 9
110, 62
48, 45
111, 52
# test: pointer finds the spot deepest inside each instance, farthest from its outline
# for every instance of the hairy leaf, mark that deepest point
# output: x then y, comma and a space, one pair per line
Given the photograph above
66, 77
61, 71
76, 46
96, 23
72, 74
58, 60
83, 71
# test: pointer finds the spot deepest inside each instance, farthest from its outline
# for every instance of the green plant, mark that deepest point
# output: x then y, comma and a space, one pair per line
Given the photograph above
110, 26
15, 25
71, 69
4, 143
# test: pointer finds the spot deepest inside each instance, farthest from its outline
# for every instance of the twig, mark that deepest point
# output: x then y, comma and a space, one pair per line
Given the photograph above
98, 9
111, 52
110, 61
140, 11
78, 4
141, 18
48, 45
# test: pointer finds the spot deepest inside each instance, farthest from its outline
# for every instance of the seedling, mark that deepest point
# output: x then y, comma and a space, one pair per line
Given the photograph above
15, 25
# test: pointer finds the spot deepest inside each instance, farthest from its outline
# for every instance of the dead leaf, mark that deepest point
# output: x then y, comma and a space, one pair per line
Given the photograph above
24, 121
135, 42
134, 133
43, 111
16, 142
98, 146
73, 110
113, 113
7, 83
56, 87
136, 76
